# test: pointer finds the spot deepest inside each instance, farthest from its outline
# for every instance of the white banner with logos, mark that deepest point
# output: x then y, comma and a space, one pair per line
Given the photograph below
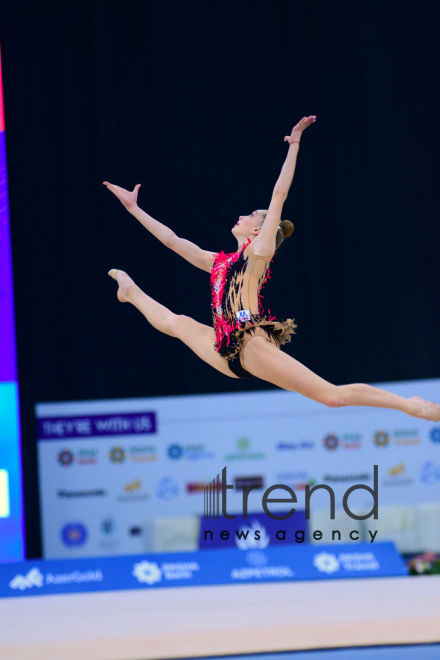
113, 472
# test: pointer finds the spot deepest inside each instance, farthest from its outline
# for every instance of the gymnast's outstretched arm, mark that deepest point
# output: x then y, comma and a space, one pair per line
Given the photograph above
190, 251
265, 241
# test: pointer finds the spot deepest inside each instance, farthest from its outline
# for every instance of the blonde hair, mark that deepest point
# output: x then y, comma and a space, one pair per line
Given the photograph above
285, 230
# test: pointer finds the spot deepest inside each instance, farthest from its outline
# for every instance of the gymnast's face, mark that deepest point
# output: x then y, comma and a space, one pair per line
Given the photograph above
248, 225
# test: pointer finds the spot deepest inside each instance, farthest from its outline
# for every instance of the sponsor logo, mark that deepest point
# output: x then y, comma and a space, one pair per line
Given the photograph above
142, 453
87, 457
189, 452
430, 473
135, 453
435, 434
296, 480
331, 442
32, 579
74, 577
399, 437
167, 489
175, 452
117, 455
327, 562
74, 534
351, 440
346, 441
252, 537
397, 470
244, 452
132, 492
251, 482
243, 315
107, 527
396, 476
260, 571
256, 558
294, 446
75, 494
136, 530
36, 579
65, 458
198, 486
381, 438
342, 478
149, 572
406, 437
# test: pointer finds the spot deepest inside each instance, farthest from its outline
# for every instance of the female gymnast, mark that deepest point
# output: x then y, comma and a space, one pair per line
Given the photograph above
245, 342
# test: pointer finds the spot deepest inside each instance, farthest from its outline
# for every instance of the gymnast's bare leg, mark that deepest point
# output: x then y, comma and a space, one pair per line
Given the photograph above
197, 336
265, 361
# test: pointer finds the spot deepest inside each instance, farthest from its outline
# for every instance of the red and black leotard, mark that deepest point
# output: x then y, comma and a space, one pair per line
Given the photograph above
236, 282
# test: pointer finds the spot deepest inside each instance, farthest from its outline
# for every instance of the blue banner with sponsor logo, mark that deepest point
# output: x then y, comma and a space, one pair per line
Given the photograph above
256, 531
231, 566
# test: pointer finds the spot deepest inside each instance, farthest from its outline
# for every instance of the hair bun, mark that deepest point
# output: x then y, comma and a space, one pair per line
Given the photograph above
287, 228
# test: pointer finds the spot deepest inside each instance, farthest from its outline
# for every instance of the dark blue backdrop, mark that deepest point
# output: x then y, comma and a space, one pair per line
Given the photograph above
192, 99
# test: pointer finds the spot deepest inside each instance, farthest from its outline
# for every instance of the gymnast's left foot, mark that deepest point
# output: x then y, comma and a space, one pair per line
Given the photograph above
126, 284
426, 409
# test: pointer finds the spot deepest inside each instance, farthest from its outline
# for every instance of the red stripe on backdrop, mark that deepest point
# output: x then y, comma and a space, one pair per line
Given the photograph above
2, 113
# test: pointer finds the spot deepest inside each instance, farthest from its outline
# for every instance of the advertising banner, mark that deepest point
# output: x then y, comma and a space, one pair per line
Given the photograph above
116, 475
43, 577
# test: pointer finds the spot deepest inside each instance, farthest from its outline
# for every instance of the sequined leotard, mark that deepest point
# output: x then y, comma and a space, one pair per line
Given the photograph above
236, 281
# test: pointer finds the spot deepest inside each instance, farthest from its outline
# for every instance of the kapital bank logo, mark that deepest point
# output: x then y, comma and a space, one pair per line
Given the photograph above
147, 572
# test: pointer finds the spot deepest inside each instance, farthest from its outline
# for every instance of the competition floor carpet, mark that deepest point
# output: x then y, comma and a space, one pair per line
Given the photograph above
200, 622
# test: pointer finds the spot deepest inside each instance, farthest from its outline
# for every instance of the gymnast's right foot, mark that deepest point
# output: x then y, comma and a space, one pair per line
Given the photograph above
126, 284
426, 409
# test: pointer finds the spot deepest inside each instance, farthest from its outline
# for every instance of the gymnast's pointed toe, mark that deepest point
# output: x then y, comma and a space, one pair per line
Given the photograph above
113, 273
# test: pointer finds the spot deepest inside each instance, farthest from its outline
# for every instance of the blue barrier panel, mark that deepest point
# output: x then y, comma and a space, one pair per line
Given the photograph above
258, 531
62, 576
